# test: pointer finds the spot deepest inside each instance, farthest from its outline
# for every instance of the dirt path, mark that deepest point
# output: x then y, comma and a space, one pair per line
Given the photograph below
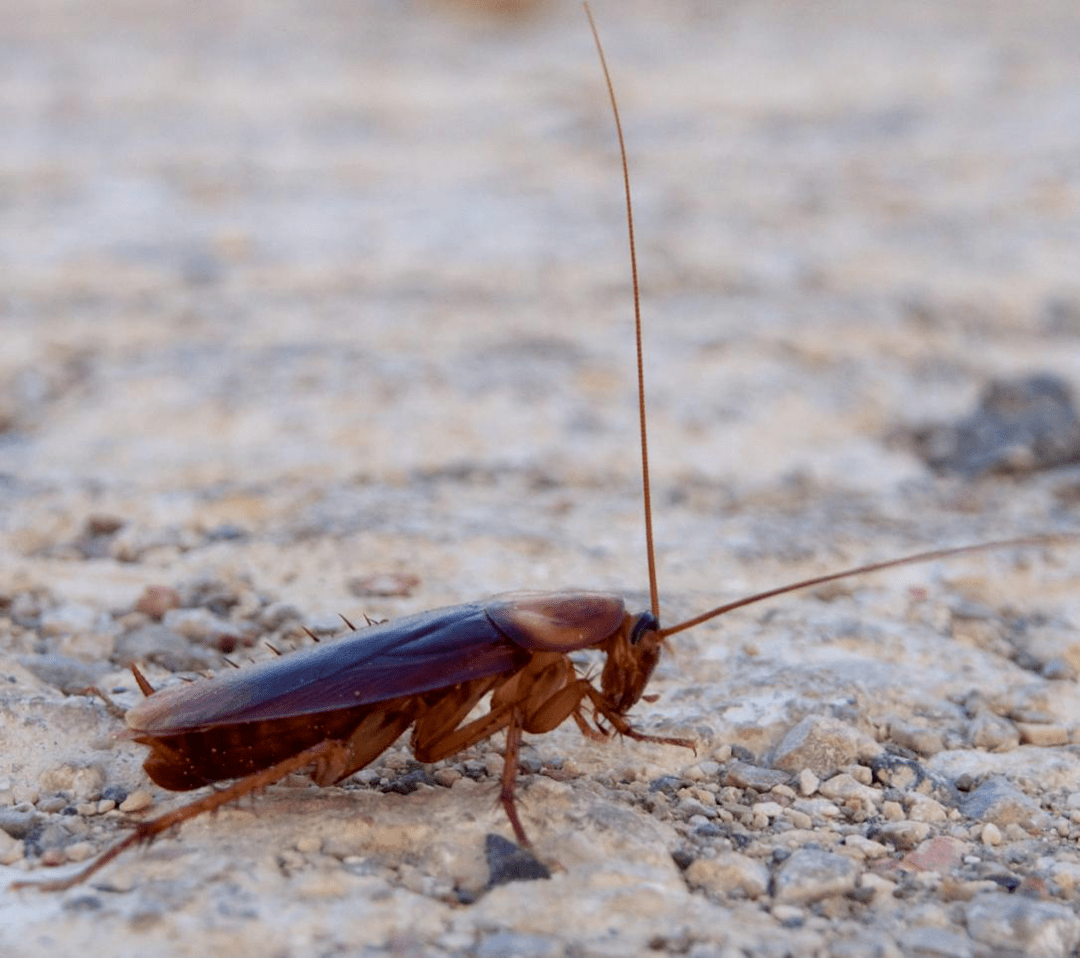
315, 293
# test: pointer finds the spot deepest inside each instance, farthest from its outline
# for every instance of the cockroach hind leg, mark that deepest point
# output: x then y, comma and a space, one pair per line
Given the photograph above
143, 834
111, 707
146, 832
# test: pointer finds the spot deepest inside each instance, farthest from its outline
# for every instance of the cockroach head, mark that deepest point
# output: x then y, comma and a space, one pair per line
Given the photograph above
631, 658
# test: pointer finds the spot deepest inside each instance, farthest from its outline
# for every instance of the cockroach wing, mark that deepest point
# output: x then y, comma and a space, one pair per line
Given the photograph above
557, 621
407, 656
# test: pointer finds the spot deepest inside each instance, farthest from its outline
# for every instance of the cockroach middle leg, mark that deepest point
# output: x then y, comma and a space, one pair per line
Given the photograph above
511, 764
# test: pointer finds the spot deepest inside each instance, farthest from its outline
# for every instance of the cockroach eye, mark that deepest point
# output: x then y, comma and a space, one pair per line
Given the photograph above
646, 622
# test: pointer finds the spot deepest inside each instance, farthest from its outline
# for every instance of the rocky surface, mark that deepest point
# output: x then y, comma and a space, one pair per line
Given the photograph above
322, 309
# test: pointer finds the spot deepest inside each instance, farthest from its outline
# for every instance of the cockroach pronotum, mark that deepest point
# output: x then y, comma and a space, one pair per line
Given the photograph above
334, 708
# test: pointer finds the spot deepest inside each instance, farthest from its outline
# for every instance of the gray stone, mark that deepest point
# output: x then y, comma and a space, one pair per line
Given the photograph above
512, 944
162, 646
936, 943
822, 744
993, 733
997, 800
811, 874
64, 672
1024, 926
68, 619
918, 738
744, 775
1021, 425
727, 873
201, 625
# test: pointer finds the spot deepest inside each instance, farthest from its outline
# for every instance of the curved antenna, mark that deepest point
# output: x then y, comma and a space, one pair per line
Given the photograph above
654, 593
1023, 542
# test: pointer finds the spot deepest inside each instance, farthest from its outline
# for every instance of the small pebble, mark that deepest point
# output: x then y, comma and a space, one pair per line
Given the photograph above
808, 783
865, 847
787, 915
83, 784
156, 600
925, 741
769, 809
52, 857
446, 776
79, 851
137, 801
798, 819
905, 835
1045, 736
993, 733
893, 811
924, 809
990, 834
11, 849
722, 755
744, 775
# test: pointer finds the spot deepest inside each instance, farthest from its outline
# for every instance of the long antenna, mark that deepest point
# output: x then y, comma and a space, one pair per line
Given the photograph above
654, 592
1023, 542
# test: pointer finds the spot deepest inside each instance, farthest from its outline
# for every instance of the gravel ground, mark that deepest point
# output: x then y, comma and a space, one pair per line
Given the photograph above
322, 308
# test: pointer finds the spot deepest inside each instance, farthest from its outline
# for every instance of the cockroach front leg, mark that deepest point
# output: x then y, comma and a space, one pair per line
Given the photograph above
623, 727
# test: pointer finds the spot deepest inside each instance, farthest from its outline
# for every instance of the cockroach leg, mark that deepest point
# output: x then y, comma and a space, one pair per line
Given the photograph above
623, 727
110, 706
594, 734
511, 763
324, 752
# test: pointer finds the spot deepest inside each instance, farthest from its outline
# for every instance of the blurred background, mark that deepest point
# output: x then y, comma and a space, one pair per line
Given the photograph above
320, 307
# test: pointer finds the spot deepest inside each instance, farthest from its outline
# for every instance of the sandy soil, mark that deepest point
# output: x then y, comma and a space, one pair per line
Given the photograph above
301, 294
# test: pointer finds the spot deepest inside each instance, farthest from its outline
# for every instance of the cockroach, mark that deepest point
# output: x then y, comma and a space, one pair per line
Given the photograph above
334, 708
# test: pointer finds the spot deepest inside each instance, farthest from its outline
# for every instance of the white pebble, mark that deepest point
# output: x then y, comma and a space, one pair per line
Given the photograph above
808, 782
137, 801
